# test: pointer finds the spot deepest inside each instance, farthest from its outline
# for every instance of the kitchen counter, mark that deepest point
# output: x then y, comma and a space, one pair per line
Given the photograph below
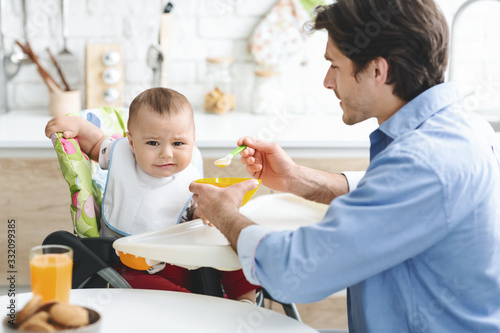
302, 136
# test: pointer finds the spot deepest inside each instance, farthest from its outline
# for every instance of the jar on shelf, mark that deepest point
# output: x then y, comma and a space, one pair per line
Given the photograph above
267, 96
219, 96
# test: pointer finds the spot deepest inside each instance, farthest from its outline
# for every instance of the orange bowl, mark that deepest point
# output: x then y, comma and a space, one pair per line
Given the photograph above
225, 182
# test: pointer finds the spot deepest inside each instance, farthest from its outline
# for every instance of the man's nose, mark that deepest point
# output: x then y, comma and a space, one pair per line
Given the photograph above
330, 81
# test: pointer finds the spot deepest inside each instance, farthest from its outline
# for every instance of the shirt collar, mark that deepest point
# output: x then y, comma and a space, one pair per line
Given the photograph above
421, 108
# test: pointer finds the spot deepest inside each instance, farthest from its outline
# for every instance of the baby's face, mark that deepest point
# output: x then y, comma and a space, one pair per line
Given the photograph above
162, 144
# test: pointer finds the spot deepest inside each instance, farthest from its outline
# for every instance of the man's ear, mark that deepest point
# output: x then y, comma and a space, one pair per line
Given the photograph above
130, 141
381, 70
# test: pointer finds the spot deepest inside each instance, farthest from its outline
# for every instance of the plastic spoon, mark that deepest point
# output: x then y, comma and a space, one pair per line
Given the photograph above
224, 162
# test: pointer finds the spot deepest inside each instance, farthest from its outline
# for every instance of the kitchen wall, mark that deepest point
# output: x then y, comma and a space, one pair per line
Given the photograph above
205, 28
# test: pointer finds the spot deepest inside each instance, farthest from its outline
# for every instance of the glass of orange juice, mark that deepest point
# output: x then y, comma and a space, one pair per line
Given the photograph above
51, 269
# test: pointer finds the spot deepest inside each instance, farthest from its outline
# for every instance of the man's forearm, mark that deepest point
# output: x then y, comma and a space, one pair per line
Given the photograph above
317, 185
231, 225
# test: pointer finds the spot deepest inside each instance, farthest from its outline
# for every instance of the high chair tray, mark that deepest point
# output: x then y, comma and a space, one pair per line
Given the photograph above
190, 245
283, 211
193, 244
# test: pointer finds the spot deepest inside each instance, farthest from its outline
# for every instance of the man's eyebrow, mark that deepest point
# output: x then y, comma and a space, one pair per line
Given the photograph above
328, 58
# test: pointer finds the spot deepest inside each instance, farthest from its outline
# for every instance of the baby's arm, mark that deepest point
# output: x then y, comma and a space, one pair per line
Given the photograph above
90, 137
190, 212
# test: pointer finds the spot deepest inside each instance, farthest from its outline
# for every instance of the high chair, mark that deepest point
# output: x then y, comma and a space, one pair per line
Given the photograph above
94, 255
85, 178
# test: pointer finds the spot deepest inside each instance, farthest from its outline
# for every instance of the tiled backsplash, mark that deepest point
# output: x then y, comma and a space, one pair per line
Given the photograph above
207, 28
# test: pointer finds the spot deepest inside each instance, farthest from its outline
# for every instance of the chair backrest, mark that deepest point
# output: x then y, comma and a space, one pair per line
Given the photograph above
86, 180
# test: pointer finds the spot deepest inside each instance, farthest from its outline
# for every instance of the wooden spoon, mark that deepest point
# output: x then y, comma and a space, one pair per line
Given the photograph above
49, 80
56, 64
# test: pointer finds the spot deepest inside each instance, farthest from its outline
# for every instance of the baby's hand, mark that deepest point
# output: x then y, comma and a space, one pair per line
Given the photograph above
68, 125
205, 221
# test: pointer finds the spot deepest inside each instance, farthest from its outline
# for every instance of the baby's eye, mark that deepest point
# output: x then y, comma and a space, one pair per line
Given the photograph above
178, 143
152, 143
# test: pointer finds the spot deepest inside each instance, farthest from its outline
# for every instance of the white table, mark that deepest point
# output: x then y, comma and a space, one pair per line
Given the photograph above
136, 310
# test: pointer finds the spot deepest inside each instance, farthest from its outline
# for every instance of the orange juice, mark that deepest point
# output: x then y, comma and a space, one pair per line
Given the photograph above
51, 276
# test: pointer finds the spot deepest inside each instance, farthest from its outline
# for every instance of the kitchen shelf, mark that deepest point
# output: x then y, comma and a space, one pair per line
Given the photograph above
302, 136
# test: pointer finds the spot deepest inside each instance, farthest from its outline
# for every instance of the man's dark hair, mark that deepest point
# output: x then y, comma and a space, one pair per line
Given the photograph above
164, 101
412, 35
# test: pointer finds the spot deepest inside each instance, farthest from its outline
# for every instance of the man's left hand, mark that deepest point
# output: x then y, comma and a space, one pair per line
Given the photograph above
213, 202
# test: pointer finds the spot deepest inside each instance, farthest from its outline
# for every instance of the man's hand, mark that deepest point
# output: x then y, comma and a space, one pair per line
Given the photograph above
213, 202
220, 206
269, 162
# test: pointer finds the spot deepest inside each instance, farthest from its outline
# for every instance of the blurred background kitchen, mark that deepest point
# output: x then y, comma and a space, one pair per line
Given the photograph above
202, 29
272, 89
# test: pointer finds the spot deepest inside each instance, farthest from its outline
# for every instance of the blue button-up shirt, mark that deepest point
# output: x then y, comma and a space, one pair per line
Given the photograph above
417, 242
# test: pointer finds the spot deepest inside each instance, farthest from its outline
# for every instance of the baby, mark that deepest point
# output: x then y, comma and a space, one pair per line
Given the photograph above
149, 174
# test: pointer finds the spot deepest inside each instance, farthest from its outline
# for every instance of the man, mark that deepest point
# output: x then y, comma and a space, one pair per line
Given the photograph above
417, 240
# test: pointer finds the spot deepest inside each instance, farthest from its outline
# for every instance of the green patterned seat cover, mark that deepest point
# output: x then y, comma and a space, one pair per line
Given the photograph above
85, 178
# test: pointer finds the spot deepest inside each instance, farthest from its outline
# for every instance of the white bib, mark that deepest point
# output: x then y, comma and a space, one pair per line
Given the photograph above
135, 202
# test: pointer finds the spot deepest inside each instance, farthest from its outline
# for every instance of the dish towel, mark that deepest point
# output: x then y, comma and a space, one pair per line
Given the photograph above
280, 36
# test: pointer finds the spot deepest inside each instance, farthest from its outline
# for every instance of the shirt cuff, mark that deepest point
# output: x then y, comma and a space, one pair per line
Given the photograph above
248, 241
353, 178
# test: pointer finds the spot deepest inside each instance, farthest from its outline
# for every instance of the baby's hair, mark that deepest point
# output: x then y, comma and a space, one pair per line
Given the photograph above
164, 101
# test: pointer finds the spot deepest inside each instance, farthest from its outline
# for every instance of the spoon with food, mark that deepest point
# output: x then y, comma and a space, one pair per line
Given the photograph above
224, 162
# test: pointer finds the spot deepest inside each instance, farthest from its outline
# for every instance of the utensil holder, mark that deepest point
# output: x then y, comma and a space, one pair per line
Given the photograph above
63, 102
